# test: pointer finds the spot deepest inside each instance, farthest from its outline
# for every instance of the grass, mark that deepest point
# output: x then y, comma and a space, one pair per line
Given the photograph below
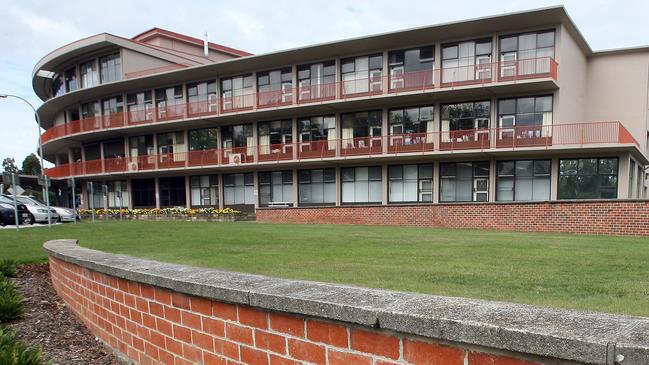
598, 273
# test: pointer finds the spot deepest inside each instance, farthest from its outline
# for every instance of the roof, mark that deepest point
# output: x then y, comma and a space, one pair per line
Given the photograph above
142, 37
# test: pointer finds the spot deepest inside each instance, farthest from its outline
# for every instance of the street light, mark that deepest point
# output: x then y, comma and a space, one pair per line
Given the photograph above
46, 193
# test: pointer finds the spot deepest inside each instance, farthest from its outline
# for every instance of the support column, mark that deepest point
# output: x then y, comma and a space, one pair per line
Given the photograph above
220, 190
385, 130
623, 174
492, 179
554, 179
157, 192
436, 180
385, 192
255, 138
101, 155
295, 138
188, 197
129, 190
296, 187
338, 187
255, 188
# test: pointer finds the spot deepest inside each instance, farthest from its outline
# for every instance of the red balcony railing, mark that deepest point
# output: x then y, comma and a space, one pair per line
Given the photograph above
507, 71
412, 143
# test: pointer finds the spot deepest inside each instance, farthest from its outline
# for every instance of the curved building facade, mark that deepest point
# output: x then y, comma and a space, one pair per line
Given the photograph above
508, 108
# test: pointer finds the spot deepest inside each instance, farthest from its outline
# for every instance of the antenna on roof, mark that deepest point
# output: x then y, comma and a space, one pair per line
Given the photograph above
206, 49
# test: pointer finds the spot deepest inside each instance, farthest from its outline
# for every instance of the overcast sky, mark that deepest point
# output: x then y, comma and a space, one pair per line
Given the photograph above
30, 29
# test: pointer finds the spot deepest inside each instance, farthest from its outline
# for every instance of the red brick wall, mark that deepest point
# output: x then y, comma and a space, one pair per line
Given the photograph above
614, 217
151, 325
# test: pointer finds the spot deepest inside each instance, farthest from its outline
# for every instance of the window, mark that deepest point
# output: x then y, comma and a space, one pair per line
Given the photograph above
524, 118
140, 106
588, 178
464, 182
317, 81
71, 79
117, 194
114, 148
276, 186
317, 187
58, 86
92, 151
91, 110
361, 185
171, 143
359, 125
275, 87
411, 183
411, 120
202, 98
169, 102
470, 117
111, 107
237, 136
72, 115
238, 189
526, 54
362, 74
89, 74
141, 146
237, 92
96, 195
412, 68
523, 180
172, 191
317, 129
202, 139
143, 193
204, 191
274, 133
111, 68
466, 61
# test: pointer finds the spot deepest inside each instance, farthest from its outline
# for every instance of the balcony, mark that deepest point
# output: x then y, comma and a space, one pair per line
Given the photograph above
445, 78
492, 139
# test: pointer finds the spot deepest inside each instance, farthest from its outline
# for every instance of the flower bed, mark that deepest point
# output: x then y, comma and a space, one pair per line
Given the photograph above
165, 214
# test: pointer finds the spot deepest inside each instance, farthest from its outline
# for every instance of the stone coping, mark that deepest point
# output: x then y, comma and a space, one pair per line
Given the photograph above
587, 337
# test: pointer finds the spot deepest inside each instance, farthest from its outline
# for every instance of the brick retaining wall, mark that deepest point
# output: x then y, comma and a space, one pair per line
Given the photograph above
611, 217
156, 313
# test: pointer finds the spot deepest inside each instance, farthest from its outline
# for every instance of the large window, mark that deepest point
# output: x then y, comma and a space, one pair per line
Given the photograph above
317, 81
71, 79
465, 122
237, 92
141, 146
275, 136
169, 102
362, 74
357, 126
411, 120
111, 68
204, 191
114, 148
526, 54
172, 146
201, 97
466, 61
588, 178
89, 74
237, 136
202, 139
143, 193
117, 194
58, 86
275, 87
238, 189
317, 129
275, 187
523, 180
113, 109
361, 185
464, 182
172, 191
140, 107
527, 117
412, 68
317, 187
411, 183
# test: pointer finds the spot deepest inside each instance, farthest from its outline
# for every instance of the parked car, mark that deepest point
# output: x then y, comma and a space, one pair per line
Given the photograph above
7, 213
37, 209
65, 214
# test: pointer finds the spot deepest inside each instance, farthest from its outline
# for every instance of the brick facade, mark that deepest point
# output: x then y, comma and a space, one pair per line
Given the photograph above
611, 217
152, 325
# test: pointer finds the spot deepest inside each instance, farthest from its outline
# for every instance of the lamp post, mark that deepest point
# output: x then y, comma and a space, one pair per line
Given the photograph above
46, 193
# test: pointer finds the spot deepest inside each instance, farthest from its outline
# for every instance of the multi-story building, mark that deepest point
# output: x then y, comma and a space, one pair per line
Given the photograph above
508, 108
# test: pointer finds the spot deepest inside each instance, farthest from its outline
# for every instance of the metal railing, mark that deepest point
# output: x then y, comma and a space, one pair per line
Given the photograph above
507, 71
540, 136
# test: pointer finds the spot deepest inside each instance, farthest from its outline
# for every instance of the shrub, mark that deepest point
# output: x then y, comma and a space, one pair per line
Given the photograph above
11, 303
14, 352
161, 211
8, 268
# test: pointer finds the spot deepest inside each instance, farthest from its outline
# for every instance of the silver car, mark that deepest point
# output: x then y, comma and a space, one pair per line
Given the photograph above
38, 209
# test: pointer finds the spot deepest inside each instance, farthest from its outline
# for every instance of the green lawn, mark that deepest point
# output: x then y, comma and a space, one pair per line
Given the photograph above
609, 274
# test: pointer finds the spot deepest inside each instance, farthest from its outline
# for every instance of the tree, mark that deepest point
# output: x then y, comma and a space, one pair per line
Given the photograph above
9, 165
31, 165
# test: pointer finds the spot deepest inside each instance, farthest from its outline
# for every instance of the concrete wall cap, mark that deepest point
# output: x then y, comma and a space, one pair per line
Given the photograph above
548, 332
